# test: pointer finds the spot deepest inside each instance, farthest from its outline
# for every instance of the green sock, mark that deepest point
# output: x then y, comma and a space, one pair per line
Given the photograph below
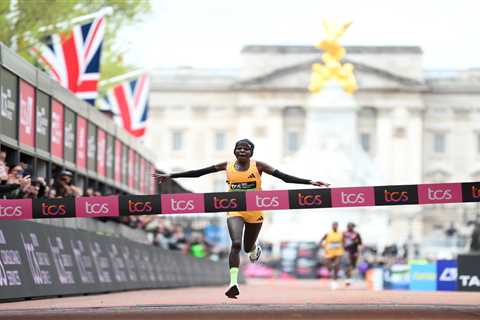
233, 276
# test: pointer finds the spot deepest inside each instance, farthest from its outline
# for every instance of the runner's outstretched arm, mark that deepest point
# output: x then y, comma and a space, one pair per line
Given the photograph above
162, 177
263, 167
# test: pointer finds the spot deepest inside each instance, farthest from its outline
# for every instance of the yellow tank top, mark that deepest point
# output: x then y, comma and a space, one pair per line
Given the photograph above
334, 241
248, 180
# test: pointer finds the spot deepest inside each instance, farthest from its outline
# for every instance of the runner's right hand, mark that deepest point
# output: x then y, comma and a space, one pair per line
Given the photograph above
161, 177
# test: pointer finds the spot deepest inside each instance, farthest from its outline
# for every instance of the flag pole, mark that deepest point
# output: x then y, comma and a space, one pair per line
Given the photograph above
106, 11
122, 77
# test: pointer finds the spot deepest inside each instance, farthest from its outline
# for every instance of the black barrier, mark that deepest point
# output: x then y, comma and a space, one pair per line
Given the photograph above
41, 260
468, 278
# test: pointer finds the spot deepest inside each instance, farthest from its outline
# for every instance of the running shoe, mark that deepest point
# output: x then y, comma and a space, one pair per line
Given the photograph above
255, 255
232, 292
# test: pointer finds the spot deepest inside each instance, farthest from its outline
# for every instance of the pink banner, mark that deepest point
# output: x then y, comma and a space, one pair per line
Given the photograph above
118, 161
81, 157
153, 182
439, 193
267, 200
95, 207
182, 203
16, 209
56, 135
26, 129
353, 197
101, 149
142, 176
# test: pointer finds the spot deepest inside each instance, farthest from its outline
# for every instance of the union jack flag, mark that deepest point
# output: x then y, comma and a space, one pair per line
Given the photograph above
128, 102
73, 58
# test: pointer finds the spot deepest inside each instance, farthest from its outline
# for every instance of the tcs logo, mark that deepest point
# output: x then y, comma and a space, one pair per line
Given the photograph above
181, 205
309, 200
475, 192
439, 194
139, 206
53, 210
352, 198
10, 211
222, 203
266, 202
96, 208
396, 196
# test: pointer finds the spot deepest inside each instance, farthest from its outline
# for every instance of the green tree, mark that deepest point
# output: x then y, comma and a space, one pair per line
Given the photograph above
23, 22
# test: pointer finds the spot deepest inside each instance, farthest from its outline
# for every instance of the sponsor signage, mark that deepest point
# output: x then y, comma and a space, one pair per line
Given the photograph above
153, 181
397, 277
471, 192
142, 175
56, 135
225, 201
8, 104
182, 203
109, 156
131, 168
439, 193
38, 260
91, 147
18, 209
26, 129
42, 122
69, 136
267, 200
97, 207
353, 197
309, 198
125, 165
447, 275
81, 158
396, 195
54, 208
423, 276
140, 205
468, 272
101, 149
118, 161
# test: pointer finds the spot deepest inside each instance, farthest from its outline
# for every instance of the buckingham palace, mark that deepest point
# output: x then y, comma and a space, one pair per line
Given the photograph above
411, 126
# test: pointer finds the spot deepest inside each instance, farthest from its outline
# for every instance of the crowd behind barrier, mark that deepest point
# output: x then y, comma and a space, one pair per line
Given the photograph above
16, 183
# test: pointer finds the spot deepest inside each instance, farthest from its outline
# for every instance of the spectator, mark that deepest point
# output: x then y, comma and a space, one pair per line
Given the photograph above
198, 248
16, 183
3, 166
64, 186
475, 239
89, 192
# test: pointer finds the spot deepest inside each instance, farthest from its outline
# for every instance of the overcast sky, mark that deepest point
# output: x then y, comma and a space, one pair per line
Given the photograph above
211, 33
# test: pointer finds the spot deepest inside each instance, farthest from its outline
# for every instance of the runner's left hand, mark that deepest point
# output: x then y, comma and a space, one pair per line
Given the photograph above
319, 183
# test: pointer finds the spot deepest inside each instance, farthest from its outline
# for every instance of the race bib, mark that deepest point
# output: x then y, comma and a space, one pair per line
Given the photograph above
335, 245
243, 186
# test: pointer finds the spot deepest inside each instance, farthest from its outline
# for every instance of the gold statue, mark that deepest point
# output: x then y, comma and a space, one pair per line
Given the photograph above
332, 68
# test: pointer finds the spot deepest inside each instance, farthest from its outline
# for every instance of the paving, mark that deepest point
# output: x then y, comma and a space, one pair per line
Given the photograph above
259, 299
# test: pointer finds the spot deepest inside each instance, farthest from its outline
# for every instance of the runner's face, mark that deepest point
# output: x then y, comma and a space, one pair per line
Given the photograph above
243, 151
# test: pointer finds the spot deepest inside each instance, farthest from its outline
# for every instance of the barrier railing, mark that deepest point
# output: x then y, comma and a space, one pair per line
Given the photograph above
41, 260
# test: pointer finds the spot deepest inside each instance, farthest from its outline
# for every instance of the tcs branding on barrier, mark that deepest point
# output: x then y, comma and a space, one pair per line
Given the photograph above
184, 203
